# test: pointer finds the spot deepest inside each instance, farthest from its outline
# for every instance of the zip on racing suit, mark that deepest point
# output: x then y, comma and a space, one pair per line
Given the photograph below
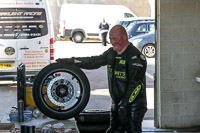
127, 86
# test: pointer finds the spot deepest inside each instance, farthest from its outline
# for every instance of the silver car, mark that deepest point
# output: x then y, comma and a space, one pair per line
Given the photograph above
145, 43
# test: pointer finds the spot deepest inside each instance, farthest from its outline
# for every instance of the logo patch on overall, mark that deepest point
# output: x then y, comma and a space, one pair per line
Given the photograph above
135, 93
142, 57
122, 62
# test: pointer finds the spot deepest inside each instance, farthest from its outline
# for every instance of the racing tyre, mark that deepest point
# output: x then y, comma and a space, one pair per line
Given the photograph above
93, 128
93, 116
149, 50
77, 37
61, 91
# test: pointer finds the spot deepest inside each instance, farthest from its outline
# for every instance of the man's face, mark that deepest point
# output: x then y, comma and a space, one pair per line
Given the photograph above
117, 41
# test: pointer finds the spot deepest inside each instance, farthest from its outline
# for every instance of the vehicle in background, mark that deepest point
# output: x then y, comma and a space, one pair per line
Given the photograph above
26, 36
140, 28
127, 21
145, 43
79, 21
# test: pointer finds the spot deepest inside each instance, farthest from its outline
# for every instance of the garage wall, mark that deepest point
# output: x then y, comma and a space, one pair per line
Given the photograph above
179, 63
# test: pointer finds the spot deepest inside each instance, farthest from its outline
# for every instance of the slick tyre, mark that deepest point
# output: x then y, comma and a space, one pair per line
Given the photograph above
93, 116
92, 128
61, 91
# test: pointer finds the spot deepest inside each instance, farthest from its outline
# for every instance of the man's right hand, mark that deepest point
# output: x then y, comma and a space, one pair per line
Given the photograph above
65, 60
122, 115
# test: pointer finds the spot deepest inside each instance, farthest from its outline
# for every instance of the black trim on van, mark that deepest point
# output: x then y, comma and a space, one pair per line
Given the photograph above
92, 34
23, 23
68, 32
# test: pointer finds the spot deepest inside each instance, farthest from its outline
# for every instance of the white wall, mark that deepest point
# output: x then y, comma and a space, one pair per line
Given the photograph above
152, 5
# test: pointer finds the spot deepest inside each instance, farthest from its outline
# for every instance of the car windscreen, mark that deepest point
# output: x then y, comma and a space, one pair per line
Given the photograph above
119, 22
131, 28
22, 23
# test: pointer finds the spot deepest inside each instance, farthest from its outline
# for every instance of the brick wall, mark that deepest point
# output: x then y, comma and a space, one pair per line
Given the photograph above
179, 63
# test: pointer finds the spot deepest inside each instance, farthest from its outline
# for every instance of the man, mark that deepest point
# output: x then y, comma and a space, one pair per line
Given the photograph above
104, 27
126, 68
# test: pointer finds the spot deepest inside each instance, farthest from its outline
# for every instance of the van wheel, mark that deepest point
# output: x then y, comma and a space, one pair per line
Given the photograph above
61, 91
77, 37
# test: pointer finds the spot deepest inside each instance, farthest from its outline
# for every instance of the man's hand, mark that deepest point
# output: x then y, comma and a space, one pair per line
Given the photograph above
122, 115
65, 60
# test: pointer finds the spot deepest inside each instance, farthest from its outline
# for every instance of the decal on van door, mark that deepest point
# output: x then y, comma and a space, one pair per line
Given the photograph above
9, 50
34, 54
23, 23
35, 64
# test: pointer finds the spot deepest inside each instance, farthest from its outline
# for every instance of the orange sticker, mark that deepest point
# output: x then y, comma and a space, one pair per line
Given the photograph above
35, 64
33, 54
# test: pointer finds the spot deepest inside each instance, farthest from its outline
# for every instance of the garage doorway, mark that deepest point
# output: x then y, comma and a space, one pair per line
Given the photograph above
150, 117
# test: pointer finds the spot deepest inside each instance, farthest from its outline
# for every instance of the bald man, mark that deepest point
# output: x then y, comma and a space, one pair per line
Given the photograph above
126, 67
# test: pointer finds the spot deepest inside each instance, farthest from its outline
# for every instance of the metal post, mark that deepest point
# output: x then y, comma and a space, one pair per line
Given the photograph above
21, 83
21, 94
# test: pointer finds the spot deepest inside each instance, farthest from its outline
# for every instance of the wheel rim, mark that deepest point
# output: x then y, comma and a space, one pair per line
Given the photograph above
149, 51
78, 38
61, 91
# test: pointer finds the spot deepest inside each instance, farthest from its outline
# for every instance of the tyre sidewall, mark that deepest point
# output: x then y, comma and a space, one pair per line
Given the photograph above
91, 117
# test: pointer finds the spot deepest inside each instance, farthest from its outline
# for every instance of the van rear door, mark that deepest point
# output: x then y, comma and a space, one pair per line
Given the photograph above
8, 48
24, 38
33, 38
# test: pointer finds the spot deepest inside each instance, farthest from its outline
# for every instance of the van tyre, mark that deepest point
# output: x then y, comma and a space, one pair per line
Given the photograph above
77, 37
61, 91
93, 116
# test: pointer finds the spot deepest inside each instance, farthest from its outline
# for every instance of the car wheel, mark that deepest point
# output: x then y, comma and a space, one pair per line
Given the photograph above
61, 91
93, 116
149, 50
77, 37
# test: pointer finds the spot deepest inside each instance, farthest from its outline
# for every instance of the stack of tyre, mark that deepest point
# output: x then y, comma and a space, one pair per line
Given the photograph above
93, 121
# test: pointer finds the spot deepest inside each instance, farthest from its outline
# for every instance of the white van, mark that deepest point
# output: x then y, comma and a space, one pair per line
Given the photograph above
79, 21
26, 36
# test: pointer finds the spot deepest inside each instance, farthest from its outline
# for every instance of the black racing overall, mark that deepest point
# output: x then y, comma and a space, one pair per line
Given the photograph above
127, 85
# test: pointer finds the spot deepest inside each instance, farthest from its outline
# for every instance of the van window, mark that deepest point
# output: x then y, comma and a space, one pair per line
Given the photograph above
22, 23
128, 15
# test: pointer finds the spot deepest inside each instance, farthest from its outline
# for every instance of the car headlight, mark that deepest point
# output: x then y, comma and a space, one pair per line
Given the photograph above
137, 41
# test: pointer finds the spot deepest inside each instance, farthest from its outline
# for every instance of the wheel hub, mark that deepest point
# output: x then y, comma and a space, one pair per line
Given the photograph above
61, 90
